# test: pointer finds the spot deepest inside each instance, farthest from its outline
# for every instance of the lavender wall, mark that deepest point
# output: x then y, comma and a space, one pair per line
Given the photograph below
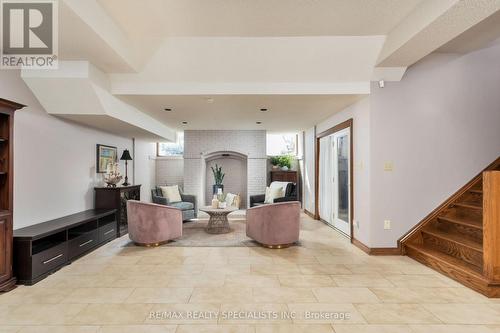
439, 127
360, 113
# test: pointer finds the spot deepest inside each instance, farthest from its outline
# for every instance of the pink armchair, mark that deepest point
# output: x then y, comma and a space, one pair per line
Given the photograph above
151, 224
274, 225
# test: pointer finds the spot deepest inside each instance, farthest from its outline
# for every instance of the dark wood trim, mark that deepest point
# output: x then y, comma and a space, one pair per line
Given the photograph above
360, 245
336, 128
346, 124
376, 251
308, 213
11, 104
385, 251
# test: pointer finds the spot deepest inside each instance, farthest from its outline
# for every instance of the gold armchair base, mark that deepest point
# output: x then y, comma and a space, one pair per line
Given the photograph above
152, 244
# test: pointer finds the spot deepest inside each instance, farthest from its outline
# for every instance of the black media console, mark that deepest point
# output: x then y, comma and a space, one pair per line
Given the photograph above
41, 249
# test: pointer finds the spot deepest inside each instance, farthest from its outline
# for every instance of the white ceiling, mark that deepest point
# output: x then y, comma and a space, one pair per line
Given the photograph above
257, 18
482, 34
303, 59
285, 112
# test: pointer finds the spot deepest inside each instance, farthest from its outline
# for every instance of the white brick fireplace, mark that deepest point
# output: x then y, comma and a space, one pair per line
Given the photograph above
202, 147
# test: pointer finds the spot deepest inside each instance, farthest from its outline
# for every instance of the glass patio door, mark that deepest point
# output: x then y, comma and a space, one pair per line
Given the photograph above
341, 179
334, 184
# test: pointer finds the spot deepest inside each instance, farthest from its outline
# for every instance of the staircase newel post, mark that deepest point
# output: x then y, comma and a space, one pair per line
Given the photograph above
491, 225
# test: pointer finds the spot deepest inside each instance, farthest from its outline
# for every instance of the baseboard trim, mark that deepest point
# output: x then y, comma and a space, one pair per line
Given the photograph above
376, 251
308, 213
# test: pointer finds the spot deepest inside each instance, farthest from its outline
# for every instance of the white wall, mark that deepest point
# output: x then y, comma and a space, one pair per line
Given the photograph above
249, 143
145, 167
54, 159
170, 171
439, 127
360, 113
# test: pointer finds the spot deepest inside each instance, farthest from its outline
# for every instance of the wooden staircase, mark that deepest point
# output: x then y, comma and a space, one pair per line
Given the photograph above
461, 238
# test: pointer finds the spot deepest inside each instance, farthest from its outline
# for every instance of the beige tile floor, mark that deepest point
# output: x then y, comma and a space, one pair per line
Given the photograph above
325, 285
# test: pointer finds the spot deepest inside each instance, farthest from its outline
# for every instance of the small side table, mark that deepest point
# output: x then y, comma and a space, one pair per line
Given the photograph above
218, 222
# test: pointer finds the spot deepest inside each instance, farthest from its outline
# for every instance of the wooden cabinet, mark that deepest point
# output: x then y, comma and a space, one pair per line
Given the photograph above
284, 176
6, 253
7, 109
116, 198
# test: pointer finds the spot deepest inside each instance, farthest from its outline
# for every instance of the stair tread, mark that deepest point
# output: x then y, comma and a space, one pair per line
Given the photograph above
471, 205
454, 237
469, 222
476, 191
448, 259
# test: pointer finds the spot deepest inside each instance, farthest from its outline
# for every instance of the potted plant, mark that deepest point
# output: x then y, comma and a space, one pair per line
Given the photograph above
285, 162
275, 161
218, 178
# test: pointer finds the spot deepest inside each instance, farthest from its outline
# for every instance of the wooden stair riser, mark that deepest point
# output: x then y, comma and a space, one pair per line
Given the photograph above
471, 232
459, 251
472, 207
468, 213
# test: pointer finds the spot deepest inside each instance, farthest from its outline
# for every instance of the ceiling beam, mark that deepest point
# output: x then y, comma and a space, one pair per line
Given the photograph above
431, 25
88, 28
80, 92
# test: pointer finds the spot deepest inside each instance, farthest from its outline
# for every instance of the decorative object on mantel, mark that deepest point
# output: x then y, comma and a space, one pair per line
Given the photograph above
218, 178
112, 176
104, 156
126, 157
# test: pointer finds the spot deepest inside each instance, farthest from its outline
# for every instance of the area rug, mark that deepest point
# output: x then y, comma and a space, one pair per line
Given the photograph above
194, 235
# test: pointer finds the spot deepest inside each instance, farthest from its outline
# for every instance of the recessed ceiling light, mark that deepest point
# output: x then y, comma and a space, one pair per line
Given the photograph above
184, 123
168, 109
258, 122
263, 109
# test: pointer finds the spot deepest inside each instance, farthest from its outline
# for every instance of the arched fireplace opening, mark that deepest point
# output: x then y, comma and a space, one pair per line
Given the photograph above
234, 166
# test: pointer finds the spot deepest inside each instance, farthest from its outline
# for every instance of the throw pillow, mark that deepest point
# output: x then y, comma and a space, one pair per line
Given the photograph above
171, 193
273, 193
230, 199
283, 185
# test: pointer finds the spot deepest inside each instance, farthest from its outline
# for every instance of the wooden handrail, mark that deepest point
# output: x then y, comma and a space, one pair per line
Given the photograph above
491, 225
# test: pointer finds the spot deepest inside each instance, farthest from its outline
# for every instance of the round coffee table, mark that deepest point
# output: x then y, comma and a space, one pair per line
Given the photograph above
218, 223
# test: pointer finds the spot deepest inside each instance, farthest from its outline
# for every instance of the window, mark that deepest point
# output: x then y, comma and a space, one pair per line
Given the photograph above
172, 148
282, 144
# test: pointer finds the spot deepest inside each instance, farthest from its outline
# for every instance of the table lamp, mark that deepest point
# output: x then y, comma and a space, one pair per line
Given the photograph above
126, 157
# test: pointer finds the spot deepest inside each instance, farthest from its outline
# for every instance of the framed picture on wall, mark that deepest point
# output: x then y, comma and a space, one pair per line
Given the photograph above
105, 155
